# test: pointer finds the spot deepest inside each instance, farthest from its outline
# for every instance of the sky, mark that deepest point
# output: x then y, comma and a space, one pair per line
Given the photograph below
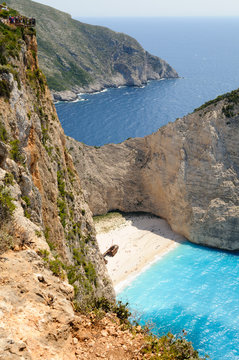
104, 8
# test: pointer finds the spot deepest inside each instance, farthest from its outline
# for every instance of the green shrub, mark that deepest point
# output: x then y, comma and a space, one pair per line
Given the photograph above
3, 59
71, 173
51, 245
72, 274
47, 233
232, 97
61, 183
27, 200
9, 40
3, 133
45, 136
170, 347
228, 110
122, 311
119, 308
5, 89
44, 255
78, 256
27, 214
38, 233
30, 31
56, 266
8, 179
6, 239
36, 79
90, 271
6, 203
62, 211
15, 150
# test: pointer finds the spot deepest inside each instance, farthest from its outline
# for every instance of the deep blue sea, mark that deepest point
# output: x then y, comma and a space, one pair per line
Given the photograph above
191, 288
204, 52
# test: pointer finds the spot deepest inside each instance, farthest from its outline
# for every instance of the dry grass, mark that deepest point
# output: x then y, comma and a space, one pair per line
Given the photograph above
108, 222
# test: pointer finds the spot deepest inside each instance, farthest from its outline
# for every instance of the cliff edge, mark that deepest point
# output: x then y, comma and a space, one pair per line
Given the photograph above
47, 236
187, 173
56, 298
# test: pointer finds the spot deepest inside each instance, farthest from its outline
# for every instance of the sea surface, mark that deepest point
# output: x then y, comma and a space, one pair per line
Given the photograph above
204, 52
191, 288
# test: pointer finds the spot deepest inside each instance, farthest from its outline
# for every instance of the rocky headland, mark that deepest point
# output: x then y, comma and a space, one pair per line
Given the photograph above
77, 57
187, 173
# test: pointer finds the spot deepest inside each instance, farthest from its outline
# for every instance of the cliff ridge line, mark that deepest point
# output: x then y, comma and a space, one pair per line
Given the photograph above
77, 57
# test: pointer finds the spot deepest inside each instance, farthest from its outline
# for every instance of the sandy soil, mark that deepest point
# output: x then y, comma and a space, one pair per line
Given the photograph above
142, 239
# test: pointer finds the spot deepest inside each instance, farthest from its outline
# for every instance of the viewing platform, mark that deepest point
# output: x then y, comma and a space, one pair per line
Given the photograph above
11, 17
19, 21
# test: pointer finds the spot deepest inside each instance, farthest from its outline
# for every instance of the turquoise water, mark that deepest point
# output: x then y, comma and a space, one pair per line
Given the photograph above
196, 289
192, 288
202, 50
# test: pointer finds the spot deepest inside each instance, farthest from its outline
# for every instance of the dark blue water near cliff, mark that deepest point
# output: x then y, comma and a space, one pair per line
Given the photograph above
204, 52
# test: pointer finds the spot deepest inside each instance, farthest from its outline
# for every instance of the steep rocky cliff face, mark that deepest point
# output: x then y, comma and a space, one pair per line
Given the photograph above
81, 57
49, 254
50, 264
187, 172
41, 201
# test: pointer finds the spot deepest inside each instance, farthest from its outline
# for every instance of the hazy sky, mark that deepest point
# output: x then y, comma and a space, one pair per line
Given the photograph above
91, 8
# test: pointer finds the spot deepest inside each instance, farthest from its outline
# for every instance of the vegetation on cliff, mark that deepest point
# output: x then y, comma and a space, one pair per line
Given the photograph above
47, 234
32, 151
75, 55
231, 98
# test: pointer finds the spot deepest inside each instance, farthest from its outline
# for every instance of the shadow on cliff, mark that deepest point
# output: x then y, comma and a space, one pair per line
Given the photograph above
152, 223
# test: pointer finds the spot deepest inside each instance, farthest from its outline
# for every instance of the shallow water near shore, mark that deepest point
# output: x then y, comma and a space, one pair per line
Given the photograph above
191, 288
196, 289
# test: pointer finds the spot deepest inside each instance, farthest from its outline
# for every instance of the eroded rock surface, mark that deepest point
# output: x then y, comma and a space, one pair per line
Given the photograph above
42, 206
50, 263
187, 172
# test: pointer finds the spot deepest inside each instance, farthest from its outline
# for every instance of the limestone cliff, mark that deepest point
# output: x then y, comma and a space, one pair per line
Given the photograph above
41, 201
187, 172
50, 263
80, 57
